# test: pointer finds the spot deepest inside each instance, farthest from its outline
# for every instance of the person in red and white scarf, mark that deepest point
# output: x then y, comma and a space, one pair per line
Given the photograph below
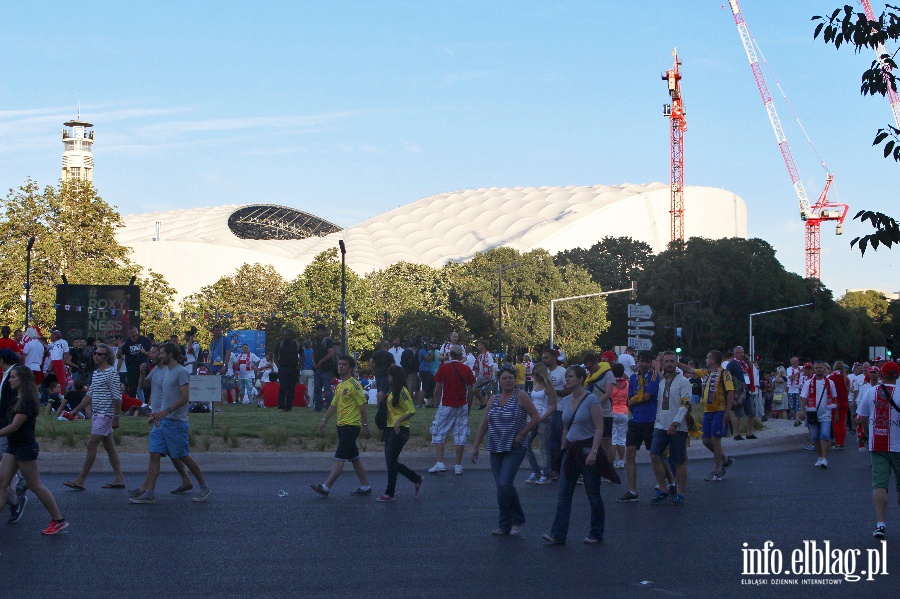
819, 397
244, 364
879, 410
484, 372
444, 353
529, 372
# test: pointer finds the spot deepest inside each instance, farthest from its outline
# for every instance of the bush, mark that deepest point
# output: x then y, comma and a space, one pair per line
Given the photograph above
277, 436
235, 441
68, 437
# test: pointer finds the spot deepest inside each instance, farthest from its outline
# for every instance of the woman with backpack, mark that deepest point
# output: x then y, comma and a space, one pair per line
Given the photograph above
543, 395
396, 432
22, 450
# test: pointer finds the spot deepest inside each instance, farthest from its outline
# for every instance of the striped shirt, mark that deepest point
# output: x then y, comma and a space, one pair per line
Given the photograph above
105, 389
504, 423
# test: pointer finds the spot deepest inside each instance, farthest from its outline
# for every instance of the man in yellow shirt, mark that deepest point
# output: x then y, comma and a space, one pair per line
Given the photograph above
718, 397
348, 402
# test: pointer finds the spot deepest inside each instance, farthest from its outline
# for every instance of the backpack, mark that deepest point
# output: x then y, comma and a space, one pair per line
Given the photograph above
409, 361
288, 355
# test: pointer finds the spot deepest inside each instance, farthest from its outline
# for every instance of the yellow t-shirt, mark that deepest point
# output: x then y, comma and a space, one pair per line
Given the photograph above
719, 400
520, 374
405, 407
348, 397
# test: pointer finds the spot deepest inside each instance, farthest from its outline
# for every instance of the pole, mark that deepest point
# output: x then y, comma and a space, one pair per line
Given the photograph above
575, 297
752, 344
28, 281
344, 296
500, 309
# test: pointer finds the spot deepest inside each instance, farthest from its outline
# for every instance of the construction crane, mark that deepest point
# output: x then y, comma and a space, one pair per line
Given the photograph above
880, 51
813, 215
675, 113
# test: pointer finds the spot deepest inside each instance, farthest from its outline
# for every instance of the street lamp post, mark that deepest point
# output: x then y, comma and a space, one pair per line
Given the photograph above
344, 295
575, 297
752, 341
28, 281
675, 317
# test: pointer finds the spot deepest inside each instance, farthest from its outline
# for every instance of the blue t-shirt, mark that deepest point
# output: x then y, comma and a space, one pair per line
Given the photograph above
424, 365
644, 412
307, 358
217, 350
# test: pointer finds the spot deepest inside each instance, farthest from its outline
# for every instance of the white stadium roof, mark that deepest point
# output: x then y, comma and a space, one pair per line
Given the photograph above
197, 246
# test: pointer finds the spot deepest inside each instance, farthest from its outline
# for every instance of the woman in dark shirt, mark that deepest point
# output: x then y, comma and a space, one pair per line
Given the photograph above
22, 452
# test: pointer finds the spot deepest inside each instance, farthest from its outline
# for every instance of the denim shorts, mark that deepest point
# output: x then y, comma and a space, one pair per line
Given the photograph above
170, 438
820, 431
677, 445
713, 424
227, 383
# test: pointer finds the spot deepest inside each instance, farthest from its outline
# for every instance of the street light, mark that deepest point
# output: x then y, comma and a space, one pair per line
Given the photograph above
675, 329
752, 341
28, 281
343, 295
500, 271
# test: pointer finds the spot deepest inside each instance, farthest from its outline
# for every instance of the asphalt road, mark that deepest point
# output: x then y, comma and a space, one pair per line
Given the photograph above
246, 541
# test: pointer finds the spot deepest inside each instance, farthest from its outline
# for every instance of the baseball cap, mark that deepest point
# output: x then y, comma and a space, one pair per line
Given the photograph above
874, 369
889, 368
8, 356
808, 365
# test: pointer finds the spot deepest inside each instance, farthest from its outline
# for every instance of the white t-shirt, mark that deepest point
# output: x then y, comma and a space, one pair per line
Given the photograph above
266, 368
794, 379
821, 404
396, 352
867, 409
856, 383
470, 362
57, 349
627, 360
558, 378
34, 354
243, 364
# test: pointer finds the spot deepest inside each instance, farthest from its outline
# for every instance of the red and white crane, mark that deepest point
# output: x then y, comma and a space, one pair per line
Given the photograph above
675, 113
813, 214
880, 51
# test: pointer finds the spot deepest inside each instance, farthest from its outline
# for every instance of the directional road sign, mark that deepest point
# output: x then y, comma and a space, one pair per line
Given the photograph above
641, 323
639, 311
641, 332
640, 344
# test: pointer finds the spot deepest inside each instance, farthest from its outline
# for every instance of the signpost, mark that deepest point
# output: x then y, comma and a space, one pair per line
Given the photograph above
206, 388
643, 327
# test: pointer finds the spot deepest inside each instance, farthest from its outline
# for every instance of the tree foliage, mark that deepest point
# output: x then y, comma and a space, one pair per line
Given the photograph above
851, 28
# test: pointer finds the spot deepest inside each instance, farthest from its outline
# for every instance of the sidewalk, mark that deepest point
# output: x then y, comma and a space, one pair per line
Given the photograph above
778, 436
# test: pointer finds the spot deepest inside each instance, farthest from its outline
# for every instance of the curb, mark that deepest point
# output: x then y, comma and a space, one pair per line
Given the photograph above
288, 462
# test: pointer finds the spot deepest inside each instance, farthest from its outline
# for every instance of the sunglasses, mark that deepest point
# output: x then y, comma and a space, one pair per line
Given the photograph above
99, 354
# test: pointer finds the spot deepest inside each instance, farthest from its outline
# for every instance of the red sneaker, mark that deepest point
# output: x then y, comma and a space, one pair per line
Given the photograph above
55, 527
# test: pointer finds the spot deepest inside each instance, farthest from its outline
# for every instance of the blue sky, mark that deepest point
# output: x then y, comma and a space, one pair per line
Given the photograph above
349, 109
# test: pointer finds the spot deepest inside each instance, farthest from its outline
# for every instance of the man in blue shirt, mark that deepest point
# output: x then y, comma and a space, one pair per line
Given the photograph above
220, 360
307, 365
426, 376
642, 391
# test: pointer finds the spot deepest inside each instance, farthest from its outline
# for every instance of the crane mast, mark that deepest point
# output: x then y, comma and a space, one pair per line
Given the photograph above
676, 115
893, 96
823, 210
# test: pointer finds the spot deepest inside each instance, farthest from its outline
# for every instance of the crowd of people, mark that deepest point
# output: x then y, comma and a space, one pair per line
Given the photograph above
576, 421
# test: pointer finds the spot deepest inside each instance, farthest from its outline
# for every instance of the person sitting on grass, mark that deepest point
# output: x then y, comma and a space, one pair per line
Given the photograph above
269, 392
73, 398
55, 399
131, 406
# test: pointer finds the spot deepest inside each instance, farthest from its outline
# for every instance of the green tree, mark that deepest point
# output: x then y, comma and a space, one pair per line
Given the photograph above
850, 28
74, 231
872, 303
527, 291
318, 290
613, 263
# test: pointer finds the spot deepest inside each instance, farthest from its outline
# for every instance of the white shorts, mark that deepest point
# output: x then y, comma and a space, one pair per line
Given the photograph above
447, 419
620, 428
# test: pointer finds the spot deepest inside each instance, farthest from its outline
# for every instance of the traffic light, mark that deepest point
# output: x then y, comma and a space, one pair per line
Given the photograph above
678, 340
889, 346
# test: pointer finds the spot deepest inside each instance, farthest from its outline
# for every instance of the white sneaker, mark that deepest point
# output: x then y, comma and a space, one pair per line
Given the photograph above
438, 467
457, 469
824, 464
818, 463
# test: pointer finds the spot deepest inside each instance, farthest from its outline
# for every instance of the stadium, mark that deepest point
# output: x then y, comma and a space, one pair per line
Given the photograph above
193, 248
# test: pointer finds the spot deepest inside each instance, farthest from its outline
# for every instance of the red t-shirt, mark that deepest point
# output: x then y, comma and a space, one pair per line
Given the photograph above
454, 389
270, 394
300, 396
129, 402
9, 344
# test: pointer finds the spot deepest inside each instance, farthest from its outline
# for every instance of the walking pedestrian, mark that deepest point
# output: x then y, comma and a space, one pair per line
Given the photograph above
288, 356
453, 394
16, 500
717, 398
818, 398
507, 423
170, 427
839, 414
643, 388
543, 395
671, 430
582, 432
620, 413
399, 411
22, 450
105, 399
352, 418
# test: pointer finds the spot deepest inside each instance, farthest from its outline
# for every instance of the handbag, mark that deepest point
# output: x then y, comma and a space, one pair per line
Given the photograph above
813, 417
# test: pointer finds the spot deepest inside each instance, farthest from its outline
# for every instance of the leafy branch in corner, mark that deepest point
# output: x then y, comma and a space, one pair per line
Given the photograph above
887, 231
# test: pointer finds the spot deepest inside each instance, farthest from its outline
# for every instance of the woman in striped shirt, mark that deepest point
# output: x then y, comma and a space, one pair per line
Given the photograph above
510, 418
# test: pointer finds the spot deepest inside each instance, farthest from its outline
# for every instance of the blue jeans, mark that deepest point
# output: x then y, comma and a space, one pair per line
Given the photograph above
322, 386
542, 432
567, 485
505, 466
555, 441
